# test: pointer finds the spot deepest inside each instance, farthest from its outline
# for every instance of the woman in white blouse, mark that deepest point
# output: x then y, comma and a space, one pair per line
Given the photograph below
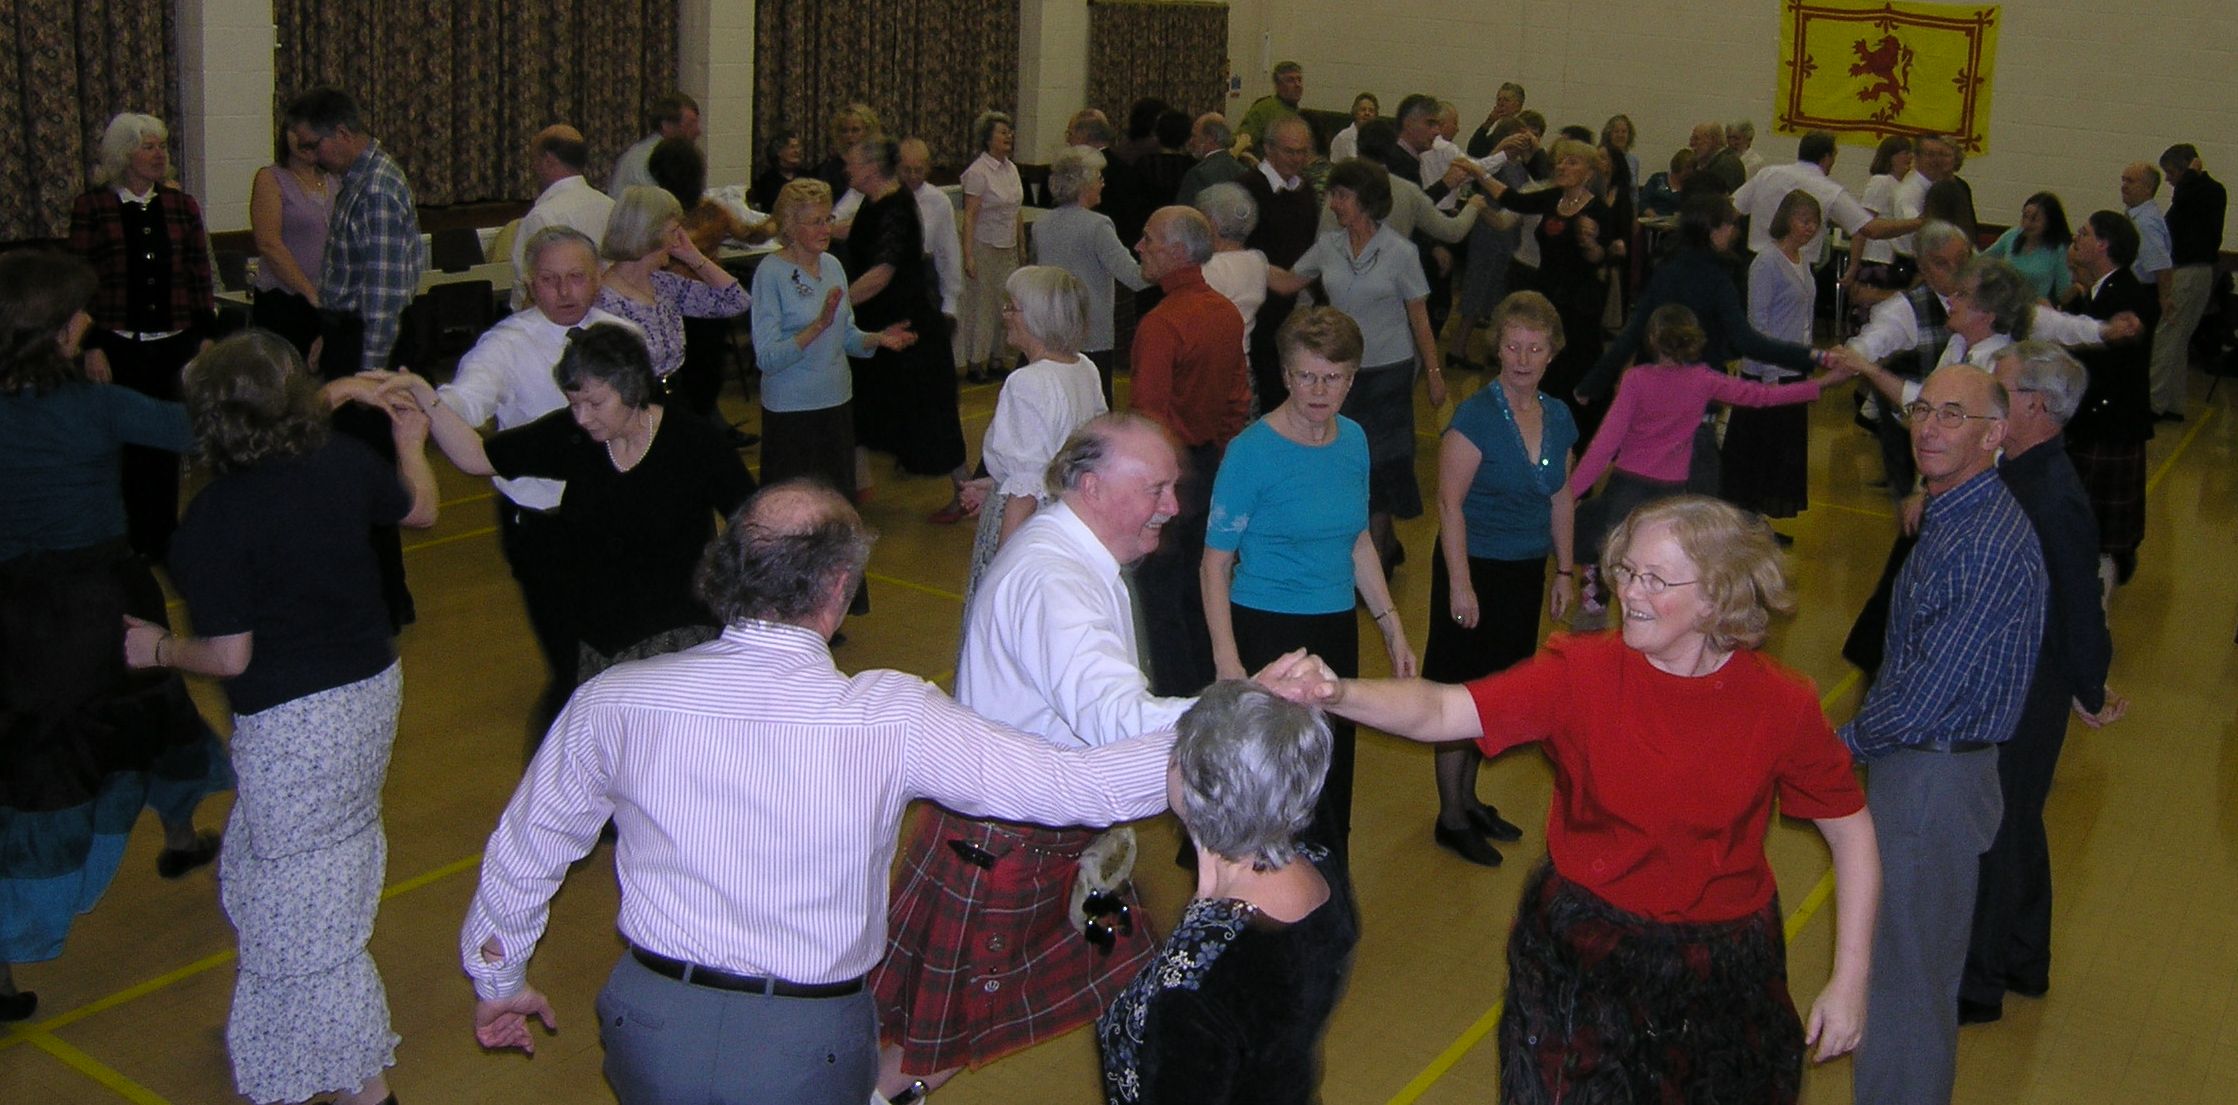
993, 195
1045, 314
1234, 271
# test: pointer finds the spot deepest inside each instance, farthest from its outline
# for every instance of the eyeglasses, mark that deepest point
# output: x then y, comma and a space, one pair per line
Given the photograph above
1623, 574
1310, 381
1949, 416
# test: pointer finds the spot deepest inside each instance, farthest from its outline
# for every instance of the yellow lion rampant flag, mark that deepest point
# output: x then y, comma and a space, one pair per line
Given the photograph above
1869, 70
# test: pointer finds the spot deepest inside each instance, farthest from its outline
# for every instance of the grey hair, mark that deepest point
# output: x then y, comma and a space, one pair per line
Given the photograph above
1230, 209
2051, 372
782, 569
1936, 235
1071, 170
2001, 290
551, 236
118, 141
1218, 132
1744, 128
1190, 230
983, 128
1251, 767
637, 226
1090, 447
1052, 305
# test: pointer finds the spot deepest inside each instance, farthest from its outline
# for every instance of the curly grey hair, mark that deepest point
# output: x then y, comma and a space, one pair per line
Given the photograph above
1251, 767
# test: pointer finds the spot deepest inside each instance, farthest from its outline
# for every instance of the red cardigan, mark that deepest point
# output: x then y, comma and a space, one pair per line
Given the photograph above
1663, 784
97, 234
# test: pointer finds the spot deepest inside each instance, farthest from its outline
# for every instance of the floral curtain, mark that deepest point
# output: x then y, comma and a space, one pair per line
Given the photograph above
1176, 52
927, 67
66, 67
456, 90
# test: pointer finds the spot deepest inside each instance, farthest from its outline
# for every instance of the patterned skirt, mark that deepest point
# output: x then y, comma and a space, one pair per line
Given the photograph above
1606, 1007
300, 878
2113, 475
983, 961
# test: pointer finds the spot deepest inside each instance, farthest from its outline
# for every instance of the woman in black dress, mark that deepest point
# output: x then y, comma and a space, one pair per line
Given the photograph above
1571, 233
643, 491
905, 399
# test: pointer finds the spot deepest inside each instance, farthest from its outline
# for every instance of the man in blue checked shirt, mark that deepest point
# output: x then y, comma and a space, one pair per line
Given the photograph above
1964, 630
374, 255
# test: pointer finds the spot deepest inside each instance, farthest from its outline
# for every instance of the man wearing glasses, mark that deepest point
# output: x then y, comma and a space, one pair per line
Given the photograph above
1965, 626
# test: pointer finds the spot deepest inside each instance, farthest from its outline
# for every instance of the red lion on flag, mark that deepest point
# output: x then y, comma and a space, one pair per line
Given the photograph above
1890, 63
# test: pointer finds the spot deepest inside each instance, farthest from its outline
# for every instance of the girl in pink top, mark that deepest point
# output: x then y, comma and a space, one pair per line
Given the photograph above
1646, 443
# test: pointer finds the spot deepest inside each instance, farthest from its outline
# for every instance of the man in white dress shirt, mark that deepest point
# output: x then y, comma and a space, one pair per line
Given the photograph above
938, 214
508, 376
1760, 198
557, 157
756, 792
1049, 647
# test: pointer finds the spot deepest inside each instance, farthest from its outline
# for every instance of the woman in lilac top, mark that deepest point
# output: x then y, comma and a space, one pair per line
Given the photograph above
289, 201
1647, 440
645, 231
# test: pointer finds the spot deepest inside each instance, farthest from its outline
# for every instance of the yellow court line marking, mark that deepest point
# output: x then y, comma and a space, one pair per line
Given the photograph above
1854, 509
464, 501
469, 535
90, 1067
951, 596
1460, 1047
2169, 465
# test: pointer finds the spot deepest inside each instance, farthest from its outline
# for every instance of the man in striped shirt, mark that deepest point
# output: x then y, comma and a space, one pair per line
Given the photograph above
1965, 625
757, 793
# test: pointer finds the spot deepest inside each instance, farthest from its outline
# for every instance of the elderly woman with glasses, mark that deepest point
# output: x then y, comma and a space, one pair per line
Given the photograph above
1374, 275
1077, 239
155, 306
643, 492
287, 608
1045, 314
1287, 543
1234, 1006
644, 235
1647, 960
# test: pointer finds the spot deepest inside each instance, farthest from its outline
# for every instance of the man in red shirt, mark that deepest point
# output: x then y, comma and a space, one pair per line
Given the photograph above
1189, 377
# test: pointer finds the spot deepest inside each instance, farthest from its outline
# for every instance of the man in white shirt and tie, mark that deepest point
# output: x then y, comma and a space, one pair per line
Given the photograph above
756, 792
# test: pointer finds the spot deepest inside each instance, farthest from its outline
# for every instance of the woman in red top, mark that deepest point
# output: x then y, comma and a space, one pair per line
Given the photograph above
1647, 961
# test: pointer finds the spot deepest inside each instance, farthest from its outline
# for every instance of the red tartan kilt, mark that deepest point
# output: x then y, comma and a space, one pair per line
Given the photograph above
984, 962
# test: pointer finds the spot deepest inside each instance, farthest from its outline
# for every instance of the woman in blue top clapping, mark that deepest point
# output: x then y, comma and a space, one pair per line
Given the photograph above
1503, 505
1287, 540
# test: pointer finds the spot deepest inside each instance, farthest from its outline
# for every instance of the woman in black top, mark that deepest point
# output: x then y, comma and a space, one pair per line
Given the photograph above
1233, 1008
1572, 227
781, 165
287, 606
643, 491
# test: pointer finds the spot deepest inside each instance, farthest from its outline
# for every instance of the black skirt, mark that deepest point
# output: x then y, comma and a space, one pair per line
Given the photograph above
816, 444
1509, 594
1606, 1007
1767, 458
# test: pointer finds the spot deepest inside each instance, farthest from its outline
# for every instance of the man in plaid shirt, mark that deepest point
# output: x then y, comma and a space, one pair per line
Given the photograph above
374, 255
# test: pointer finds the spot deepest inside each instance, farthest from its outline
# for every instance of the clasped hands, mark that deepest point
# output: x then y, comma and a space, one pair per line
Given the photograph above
1301, 677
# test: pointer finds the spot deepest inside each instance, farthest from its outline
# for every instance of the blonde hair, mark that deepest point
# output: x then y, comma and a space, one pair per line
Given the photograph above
1737, 565
1532, 311
798, 195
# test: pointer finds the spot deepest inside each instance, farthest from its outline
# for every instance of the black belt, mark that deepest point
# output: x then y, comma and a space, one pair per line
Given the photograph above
1953, 746
713, 979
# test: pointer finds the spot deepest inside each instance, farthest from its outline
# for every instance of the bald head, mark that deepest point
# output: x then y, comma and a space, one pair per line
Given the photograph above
794, 553
1210, 133
559, 152
1117, 472
1957, 426
915, 164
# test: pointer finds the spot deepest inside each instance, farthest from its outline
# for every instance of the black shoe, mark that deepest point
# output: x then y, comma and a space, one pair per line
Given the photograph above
740, 439
174, 862
2168, 416
1980, 1012
1488, 821
1466, 844
18, 1006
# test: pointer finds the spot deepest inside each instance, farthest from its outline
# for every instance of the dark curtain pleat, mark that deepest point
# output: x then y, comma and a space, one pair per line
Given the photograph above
67, 67
455, 91
927, 67
1176, 52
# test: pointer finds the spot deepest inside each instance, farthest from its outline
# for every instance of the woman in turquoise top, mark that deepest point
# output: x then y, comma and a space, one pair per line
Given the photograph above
2038, 246
1502, 467
1286, 542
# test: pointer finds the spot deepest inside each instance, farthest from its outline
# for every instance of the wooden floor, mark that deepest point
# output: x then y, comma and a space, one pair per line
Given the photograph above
2144, 826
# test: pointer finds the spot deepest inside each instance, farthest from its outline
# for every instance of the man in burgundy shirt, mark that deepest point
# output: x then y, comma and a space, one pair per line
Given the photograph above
1289, 218
1189, 377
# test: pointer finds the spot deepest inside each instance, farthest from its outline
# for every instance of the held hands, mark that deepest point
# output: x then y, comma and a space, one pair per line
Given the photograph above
973, 494
1837, 1020
140, 639
2116, 706
1301, 677
2121, 327
503, 1023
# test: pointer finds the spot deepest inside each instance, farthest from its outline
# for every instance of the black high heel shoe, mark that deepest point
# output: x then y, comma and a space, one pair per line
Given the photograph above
1489, 822
18, 1006
1466, 844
